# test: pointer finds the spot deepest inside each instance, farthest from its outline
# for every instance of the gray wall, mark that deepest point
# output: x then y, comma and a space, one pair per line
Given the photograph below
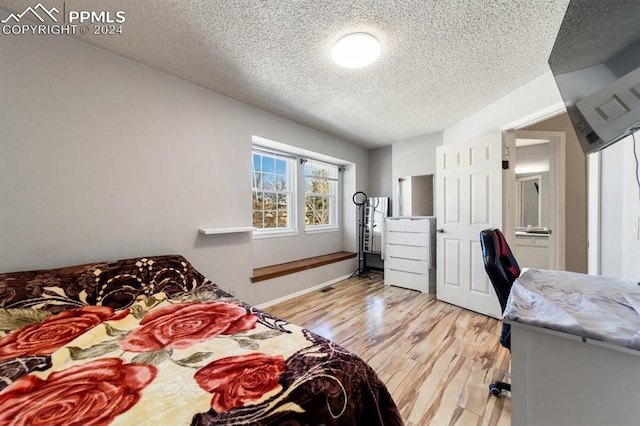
413, 157
102, 158
380, 170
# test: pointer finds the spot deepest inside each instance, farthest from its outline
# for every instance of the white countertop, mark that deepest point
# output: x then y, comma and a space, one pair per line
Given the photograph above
531, 234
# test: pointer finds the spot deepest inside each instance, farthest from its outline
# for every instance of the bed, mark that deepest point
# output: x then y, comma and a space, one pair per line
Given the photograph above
152, 341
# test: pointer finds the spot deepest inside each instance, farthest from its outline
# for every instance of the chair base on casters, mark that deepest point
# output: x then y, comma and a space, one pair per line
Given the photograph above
497, 387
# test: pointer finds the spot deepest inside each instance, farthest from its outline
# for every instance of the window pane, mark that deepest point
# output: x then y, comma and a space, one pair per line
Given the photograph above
281, 183
325, 211
315, 186
268, 164
283, 202
257, 219
256, 162
268, 181
257, 201
270, 219
282, 219
310, 209
323, 187
281, 167
270, 201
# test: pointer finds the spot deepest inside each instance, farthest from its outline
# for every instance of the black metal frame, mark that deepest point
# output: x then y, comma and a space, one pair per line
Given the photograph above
362, 259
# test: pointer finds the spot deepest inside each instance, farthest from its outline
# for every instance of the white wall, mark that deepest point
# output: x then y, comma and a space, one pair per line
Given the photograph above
620, 210
611, 196
531, 101
413, 157
102, 158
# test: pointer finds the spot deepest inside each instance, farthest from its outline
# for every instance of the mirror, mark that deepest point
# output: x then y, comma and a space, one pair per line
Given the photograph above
415, 196
376, 210
530, 201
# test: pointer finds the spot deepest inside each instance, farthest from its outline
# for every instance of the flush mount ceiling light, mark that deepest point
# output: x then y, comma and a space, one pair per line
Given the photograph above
356, 50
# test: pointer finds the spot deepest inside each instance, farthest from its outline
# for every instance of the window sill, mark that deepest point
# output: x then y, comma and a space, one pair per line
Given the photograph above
258, 235
322, 230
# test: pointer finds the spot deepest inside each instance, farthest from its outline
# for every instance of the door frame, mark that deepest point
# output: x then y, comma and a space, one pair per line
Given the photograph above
557, 168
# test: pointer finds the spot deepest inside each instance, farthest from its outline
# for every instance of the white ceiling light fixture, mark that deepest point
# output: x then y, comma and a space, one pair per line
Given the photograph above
356, 50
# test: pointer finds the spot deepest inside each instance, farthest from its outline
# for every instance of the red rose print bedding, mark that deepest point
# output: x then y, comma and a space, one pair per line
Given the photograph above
151, 341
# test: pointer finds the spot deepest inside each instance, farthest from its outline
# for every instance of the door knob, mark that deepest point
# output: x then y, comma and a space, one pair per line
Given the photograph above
440, 231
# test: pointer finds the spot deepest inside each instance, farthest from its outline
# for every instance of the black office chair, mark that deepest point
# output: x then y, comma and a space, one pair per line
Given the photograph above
503, 270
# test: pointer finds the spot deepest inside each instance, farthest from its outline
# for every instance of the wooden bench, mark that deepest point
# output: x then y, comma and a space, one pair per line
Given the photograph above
281, 269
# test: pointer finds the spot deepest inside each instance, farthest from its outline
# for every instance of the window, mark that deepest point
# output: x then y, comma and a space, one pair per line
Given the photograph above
320, 194
273, 191
285, 181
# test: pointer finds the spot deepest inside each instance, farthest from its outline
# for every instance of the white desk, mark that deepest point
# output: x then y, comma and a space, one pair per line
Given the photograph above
561, 378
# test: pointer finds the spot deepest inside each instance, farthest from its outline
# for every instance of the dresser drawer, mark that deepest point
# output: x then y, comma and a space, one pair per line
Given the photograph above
407, 252
406, 224
408, 238
395, 224
407, 265
417, 225
406, 280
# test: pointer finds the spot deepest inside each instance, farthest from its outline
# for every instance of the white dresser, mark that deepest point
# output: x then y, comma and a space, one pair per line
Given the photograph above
409, 257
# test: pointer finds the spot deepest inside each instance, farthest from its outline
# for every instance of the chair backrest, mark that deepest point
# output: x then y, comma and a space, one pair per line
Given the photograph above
499, 263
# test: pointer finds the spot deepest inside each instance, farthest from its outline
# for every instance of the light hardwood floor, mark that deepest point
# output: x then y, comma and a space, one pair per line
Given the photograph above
436, 359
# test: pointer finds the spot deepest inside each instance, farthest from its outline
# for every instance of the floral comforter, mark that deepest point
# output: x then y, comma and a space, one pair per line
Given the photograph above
154, 342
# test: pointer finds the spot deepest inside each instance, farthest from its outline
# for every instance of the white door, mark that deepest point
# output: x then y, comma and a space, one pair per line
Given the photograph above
468, 200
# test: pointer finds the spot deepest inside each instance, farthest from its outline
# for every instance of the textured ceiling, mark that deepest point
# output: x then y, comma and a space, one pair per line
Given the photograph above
441, 61
607, 20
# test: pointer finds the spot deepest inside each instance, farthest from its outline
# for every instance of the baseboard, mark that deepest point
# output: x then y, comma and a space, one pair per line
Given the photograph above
264, 305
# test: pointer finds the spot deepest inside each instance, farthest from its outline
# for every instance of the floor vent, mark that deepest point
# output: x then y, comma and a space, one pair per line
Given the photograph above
327, 289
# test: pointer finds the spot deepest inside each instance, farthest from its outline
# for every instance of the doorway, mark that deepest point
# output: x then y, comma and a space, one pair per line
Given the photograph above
538, 199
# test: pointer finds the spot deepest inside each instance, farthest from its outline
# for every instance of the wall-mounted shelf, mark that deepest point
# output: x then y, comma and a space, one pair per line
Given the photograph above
235, 230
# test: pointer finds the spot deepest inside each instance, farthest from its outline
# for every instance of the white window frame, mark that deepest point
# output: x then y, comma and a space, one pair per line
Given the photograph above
334, 198
291, 192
